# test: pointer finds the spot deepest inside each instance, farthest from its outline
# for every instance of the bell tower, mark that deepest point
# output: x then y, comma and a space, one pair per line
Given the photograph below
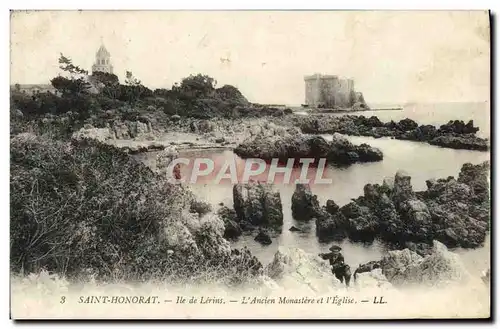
102, 60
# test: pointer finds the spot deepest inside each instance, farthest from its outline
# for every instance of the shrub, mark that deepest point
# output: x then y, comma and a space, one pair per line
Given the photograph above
81, 204
231, 93
85, 207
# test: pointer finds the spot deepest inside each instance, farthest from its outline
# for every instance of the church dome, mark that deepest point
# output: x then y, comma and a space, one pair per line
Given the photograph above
102, 52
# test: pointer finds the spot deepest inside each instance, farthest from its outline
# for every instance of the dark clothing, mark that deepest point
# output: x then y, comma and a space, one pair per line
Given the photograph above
339, 268
336, 260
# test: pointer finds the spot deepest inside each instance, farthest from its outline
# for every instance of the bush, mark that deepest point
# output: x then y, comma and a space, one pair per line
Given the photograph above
79, 205
48, 103
231, 93
84, 207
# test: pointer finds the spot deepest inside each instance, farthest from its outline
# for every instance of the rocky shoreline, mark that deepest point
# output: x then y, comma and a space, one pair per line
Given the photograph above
295, 146
403, 268
454, 134
248, 135
453, 211
257, 208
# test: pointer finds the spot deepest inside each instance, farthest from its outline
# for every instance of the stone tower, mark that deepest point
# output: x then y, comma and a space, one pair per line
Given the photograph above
102, 61
329, 91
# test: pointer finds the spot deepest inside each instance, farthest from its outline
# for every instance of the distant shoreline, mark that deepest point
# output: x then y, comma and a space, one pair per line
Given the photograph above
335, 111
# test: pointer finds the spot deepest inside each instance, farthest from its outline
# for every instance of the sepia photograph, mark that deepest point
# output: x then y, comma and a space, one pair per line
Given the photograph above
250, 164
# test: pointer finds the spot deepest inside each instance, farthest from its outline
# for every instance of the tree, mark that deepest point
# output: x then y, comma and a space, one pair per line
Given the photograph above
134, 89
107, 79
70, 86
231, 93
76, 84
130, 80
67, 65
110, 84
196, 86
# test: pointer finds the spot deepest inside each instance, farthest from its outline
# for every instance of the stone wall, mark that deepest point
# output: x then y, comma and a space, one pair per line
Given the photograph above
329, 91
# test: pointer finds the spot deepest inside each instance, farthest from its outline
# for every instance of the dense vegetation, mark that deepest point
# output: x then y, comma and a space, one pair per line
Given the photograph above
79, 92
82, 207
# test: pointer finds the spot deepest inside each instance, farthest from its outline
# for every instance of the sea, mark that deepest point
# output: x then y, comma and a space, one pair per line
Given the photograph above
420, 160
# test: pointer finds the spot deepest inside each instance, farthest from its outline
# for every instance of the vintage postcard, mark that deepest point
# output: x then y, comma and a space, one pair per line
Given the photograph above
250, 165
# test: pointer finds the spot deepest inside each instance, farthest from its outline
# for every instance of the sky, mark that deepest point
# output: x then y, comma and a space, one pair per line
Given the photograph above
394, 57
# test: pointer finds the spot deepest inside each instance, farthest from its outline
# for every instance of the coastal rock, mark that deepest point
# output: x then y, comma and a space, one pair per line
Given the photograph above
220, 140
293, 268
263, 238
476, 177
232, 228
339, 150
178, 237
99, 134
395, 263
332, 228
455, 134
362, 225
258, 205
366, 153
459, 127
331, 207
448, 211
415, 212
206, 126
403, 189
209, 238
358, 106
131, 129
407, 124
421, 133
465, 142
120, 130
242, 261
365, 268
305, 205
441, 267
373, 279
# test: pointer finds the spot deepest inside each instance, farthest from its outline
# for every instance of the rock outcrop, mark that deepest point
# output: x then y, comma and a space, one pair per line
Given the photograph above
199, 242
130, 129
295, 269
454, 134
455, 212
263, 238
232, 228
295, 146
403, 268
130, 136
257, 205
441, 267
305, 205
372, 279
197, 237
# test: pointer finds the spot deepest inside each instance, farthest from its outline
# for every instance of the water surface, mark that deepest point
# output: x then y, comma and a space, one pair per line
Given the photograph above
420, 160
